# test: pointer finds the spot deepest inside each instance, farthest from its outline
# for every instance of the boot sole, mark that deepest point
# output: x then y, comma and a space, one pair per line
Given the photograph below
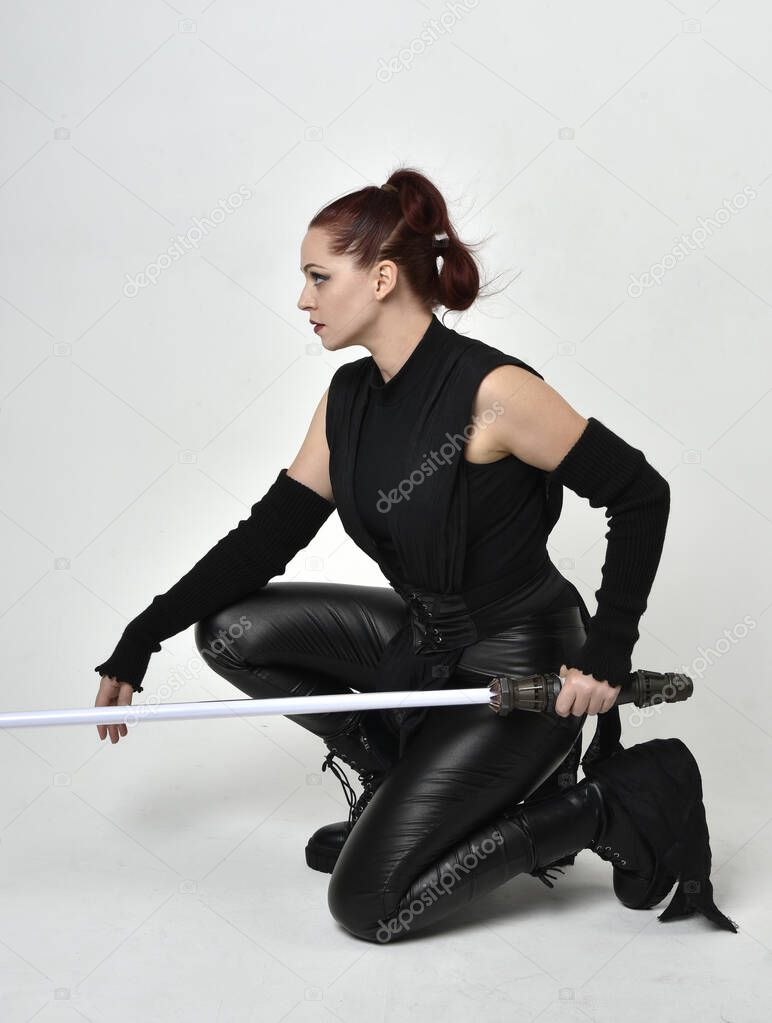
321, 860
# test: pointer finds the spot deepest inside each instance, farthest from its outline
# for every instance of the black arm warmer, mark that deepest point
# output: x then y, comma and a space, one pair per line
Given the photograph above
283, 522
611, 473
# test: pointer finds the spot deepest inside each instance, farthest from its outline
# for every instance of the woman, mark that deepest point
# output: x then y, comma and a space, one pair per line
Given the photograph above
456, 513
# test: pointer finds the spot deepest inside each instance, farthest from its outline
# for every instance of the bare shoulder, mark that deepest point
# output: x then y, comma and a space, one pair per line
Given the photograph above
311, 465
527, 417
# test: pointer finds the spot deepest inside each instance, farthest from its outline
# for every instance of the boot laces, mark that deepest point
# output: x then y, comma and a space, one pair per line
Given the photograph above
367, 793
356, 806
543, 874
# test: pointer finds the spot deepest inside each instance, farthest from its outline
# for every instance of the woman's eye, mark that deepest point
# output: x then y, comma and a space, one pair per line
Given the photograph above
320, 276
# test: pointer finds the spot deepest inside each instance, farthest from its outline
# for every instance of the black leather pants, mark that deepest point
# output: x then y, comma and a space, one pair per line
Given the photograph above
462, 771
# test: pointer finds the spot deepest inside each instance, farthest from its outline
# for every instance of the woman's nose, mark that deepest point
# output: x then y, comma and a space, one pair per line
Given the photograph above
303, 301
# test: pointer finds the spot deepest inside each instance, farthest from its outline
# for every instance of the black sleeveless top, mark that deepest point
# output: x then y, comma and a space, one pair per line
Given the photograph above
507, 523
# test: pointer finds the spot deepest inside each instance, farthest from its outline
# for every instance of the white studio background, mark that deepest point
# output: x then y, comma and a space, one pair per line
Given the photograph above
619, 160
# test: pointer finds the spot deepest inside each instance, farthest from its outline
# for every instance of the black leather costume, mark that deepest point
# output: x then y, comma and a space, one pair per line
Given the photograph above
458, 774
451, 619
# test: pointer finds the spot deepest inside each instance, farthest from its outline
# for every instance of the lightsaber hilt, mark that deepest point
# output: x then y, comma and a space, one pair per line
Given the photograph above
539, 692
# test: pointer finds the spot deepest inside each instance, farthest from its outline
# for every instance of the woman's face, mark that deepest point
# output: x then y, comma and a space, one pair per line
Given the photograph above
335, 293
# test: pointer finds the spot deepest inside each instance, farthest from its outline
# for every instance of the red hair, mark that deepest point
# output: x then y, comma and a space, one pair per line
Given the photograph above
377, 223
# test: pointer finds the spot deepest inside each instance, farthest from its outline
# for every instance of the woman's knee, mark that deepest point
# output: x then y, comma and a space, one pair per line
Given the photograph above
360, 893
218, 634
356, 903
241, 631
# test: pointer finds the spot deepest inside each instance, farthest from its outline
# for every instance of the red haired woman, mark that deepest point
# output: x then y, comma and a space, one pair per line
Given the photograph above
445, 459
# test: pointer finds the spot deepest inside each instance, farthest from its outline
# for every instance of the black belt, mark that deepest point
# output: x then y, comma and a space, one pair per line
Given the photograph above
447, 621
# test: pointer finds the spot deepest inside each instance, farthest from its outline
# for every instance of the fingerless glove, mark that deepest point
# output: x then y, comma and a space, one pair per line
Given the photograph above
610, 473
282, 523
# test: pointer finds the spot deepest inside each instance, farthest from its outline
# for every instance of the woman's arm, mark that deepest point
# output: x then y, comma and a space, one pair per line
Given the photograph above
312, 462
538, 426
282, 523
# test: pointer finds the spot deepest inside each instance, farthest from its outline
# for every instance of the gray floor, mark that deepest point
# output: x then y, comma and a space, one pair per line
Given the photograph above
164, 879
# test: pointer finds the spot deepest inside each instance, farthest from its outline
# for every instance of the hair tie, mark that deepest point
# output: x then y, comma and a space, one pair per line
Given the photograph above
392, 187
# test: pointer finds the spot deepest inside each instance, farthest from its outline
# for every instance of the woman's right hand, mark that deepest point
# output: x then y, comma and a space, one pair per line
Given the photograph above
113, 693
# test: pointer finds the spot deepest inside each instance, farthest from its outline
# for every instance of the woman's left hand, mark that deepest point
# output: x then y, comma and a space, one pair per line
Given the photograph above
583, 694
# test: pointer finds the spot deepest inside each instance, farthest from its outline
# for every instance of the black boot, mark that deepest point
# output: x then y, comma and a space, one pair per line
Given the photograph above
654, 831
641, 810
366, 745
563, 777
556, 827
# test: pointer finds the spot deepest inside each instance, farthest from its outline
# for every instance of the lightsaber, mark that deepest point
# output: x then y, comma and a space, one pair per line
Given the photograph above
503, 694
